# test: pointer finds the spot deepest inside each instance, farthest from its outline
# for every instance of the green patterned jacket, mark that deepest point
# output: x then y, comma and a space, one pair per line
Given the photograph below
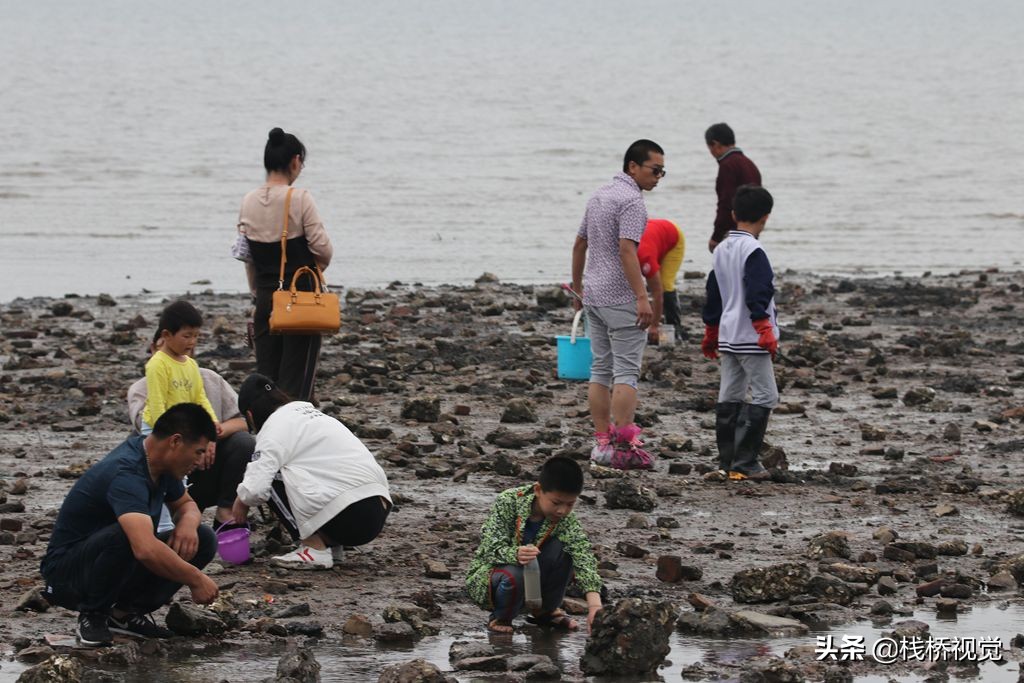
498, 543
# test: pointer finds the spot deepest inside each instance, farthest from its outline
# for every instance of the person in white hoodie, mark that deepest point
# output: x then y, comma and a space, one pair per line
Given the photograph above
336, 494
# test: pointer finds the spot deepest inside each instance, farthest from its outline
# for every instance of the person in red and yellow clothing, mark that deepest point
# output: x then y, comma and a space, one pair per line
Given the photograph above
660, 253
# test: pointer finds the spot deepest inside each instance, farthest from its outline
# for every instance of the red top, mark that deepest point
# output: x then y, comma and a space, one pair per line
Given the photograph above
659, 238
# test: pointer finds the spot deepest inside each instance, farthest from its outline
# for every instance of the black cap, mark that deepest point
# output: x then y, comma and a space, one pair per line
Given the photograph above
252, 388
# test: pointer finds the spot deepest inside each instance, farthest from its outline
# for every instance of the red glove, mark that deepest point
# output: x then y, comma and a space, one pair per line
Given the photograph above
766, 336
709, 346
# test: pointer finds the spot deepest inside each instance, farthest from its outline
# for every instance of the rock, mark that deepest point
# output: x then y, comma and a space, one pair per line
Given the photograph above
771, 668
638, 522
985, 426
629, 638
435, 569
779, 627
489, 663
518, 411
423, 409
896, 554
711, 622
631, 550
945, 510
35, 653
32, 600
358, 625
413, 615
853, 573
680, 468
672, 570
958, 591
552, 298
919, 396
882, 608
872, 433
1015, 503
887, 586
416, 671
292, 611
189, 620
831, 589
951, 432
628, 494
462, 649
105, 300
920, 549
299, 665
11, 524
909, 629
527, 662
952, 548
930, 589
1002, 581
830, 544
885, 535
486, 278
842, 469
946, 606
395, 632
768, 584
505, 465
56, 669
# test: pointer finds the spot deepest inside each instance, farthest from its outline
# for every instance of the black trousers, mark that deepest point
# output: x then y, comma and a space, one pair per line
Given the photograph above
101, 572
217, 485
358, 524
290, 360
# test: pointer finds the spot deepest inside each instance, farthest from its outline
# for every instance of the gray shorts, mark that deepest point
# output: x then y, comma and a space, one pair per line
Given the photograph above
741, 371
616, 343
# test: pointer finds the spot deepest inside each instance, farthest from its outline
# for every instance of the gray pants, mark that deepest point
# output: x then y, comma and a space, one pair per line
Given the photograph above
741, 371
616, 343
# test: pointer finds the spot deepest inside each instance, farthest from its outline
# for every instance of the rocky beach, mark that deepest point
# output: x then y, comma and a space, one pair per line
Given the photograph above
896, 486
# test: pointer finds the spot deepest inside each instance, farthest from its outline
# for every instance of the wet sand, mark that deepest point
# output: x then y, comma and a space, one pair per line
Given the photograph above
902, 408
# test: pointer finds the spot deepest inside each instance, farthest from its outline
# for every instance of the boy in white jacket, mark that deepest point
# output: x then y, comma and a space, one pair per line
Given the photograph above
335, 492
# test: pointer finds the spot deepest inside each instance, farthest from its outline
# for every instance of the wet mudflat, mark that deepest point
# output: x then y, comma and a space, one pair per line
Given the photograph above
896, 458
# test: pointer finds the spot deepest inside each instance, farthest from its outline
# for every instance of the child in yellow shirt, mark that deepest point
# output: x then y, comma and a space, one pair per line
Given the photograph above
172, 376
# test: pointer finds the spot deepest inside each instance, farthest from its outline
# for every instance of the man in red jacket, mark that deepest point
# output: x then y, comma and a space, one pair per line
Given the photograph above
734, 169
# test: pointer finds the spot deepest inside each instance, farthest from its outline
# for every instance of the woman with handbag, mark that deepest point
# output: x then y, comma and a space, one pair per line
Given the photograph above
283, 233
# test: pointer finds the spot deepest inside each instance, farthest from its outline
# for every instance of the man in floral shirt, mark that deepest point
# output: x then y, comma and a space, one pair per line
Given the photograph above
528, 522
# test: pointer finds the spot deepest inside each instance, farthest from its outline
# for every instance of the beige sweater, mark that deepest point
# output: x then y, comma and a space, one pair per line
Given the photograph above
262, 215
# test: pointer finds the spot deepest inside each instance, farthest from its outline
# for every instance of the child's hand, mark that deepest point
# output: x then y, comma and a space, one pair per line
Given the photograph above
527, 553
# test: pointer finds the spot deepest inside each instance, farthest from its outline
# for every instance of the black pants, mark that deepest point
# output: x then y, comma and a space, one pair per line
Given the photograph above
358, 524
101, 572
290, 360
217, 485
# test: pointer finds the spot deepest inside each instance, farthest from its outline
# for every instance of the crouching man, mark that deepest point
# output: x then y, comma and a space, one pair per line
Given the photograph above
105, 559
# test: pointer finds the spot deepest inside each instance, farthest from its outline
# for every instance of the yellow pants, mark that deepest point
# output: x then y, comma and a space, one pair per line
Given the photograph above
671, 263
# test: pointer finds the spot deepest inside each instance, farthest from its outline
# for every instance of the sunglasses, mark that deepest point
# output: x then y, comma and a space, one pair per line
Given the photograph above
658, 171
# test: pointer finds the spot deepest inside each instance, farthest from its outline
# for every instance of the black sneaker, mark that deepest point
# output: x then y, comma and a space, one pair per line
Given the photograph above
92, 629
141, 625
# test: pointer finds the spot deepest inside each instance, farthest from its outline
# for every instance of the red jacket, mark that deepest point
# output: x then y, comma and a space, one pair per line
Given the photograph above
734, 169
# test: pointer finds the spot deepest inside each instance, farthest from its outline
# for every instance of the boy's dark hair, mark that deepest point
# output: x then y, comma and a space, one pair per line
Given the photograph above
281, 149
720, 133
751, 203
260, 395
188, 419
639, 152
561, 474
178, 315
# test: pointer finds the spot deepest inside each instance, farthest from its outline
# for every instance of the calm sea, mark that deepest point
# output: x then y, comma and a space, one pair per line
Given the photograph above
451, 138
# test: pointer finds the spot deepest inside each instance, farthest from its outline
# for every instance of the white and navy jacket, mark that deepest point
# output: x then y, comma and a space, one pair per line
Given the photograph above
740, 290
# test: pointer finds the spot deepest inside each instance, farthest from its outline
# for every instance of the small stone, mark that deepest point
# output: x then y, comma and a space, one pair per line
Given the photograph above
930, 589
298, 664
680, 468
56, 668
885, 535
435, 569
416, 671
919, 396
423, 409
768, 584
628, 494
829, 545
887, 586
188, 620
946, 510
491, 663
631, 549
11, 524
1002, 581
959, 591
985, 426
637, 522
462, 649
951, 432
32, 600
394, 632
946, 606
358, 625
105, 300
518, 411
882, 608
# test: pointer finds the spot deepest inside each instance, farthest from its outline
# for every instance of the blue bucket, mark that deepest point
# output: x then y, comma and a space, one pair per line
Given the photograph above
574, 353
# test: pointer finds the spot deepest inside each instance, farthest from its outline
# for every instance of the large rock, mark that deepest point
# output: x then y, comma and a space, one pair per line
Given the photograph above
629, 638
299, 665
188, 620
462, 649
774, 626
831, 589
423, 409
628, 494
416, 671
712, 622
768, 584
56, 669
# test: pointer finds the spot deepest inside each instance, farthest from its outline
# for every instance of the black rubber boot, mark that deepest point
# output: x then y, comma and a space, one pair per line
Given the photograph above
750, 429
670, 308
726, 415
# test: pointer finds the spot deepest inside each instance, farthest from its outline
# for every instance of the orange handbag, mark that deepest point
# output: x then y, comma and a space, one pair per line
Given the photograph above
295, 312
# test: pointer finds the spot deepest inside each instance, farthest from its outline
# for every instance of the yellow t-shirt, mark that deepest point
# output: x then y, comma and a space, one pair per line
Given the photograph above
169, 382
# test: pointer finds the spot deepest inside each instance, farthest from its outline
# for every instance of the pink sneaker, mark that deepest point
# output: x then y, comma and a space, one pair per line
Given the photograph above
604, 450
629, 453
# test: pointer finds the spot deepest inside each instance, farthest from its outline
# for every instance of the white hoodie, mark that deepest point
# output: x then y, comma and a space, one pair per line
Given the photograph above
324, 466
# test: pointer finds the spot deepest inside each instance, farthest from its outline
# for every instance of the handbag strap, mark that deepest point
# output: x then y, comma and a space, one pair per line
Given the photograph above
284, 236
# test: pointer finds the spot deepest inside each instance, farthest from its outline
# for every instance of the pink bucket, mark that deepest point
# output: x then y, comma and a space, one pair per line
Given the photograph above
233, 546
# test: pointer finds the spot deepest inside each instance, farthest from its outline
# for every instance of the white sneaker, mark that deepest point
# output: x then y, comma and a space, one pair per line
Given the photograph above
305, 557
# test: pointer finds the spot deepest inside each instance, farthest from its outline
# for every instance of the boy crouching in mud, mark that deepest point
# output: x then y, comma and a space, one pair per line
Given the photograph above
535, 521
